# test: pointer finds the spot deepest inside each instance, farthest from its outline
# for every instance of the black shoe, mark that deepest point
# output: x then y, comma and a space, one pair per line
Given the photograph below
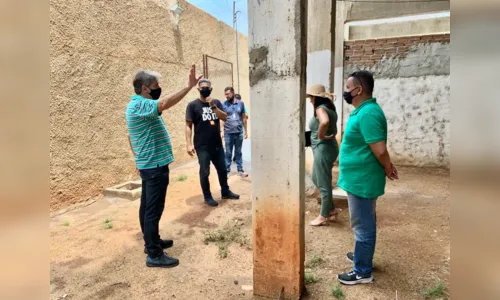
242, 173
352, 278
162, 261
350, 256
231, 195
164, 244
211, 202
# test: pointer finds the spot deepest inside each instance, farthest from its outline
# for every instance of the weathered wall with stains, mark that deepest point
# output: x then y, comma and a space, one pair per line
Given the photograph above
412, 84
96, 47
397, 29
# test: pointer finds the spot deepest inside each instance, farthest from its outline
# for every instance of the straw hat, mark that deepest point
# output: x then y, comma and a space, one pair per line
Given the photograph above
319, 91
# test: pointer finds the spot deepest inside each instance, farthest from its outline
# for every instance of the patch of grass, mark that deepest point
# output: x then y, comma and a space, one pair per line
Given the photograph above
435, 291
224, 237
310, 278
223, 251
181, 178
107, 221
66, 223
337, 292
108, 225
314, 261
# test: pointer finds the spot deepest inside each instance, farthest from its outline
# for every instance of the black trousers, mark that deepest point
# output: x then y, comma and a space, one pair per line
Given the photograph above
217, 157
154, 190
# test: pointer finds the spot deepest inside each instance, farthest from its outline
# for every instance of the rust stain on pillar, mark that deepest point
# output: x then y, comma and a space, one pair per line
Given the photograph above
277, 255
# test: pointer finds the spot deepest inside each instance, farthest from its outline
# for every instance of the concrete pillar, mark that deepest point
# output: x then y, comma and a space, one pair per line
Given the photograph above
320, 46
343, 9
277, 51
320, 67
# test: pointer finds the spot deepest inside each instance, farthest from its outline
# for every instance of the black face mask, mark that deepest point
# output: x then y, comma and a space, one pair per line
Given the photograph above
205, 92
348, 96
155, 94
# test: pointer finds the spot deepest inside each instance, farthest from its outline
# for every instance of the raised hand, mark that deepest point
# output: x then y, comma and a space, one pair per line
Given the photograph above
193, 80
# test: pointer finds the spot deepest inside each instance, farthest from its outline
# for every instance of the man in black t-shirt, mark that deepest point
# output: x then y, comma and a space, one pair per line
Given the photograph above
204, 113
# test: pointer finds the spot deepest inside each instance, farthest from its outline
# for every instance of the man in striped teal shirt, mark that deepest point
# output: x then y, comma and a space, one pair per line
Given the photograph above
152, 148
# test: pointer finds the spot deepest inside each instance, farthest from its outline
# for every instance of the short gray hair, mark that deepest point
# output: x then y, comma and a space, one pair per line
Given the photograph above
204, 80
144, 77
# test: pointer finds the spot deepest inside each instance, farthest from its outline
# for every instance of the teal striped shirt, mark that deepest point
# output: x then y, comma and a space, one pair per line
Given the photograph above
148, 134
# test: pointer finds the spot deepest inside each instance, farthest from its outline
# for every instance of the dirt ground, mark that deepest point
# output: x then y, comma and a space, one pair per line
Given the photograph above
91, 259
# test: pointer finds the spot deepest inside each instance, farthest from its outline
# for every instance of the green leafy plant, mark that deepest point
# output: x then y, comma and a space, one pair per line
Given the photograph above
338, 293
224, 237
314, 261
310, 278
435, 291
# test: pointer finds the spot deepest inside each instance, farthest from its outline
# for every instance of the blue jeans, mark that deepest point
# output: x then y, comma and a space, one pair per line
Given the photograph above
364, 225
234, 140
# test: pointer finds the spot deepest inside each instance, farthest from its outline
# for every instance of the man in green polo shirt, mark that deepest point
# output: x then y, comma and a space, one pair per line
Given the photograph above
152, 148
364, 165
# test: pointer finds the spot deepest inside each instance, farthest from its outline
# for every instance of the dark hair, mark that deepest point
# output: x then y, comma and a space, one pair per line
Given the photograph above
322, 101
365, 79
229, 88
237, 96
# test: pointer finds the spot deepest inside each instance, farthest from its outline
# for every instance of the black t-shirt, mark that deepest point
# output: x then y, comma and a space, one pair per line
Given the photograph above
206, 124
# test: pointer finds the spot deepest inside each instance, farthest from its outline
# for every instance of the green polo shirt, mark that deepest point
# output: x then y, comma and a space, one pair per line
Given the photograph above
360, 172
148, 134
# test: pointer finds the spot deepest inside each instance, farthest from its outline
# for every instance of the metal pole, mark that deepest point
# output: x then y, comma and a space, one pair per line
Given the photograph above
235, 26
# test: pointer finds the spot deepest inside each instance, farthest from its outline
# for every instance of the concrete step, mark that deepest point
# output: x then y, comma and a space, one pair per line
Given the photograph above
339, 193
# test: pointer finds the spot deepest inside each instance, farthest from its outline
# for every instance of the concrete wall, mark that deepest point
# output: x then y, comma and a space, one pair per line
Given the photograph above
96, 47
412, 84
370, 11
417, 27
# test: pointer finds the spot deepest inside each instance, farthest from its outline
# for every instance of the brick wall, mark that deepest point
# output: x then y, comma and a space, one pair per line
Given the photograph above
412, 84
369, 52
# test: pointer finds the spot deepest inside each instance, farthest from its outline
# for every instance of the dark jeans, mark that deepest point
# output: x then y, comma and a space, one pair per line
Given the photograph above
154, 190
234, 140
216, 156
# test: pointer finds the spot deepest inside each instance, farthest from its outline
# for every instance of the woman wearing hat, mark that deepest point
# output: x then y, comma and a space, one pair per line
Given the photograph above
325, 149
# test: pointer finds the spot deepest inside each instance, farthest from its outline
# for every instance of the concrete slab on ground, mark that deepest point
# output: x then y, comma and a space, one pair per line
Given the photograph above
339, 193
130, 190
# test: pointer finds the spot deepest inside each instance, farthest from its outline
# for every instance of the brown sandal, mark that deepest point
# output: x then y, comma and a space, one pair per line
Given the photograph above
334, 214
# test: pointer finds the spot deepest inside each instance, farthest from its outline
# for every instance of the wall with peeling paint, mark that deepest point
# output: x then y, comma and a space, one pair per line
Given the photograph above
412, 84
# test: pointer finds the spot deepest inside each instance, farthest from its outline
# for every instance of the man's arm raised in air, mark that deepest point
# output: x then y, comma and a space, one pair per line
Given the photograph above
174, 98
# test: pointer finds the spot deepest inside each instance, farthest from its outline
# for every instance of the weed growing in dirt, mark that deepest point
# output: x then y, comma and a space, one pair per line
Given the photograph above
224, 237
337, 292
107, 221
66, 223
436, 291
181, 177
108, 225
310, 278
314, 261
223, 251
